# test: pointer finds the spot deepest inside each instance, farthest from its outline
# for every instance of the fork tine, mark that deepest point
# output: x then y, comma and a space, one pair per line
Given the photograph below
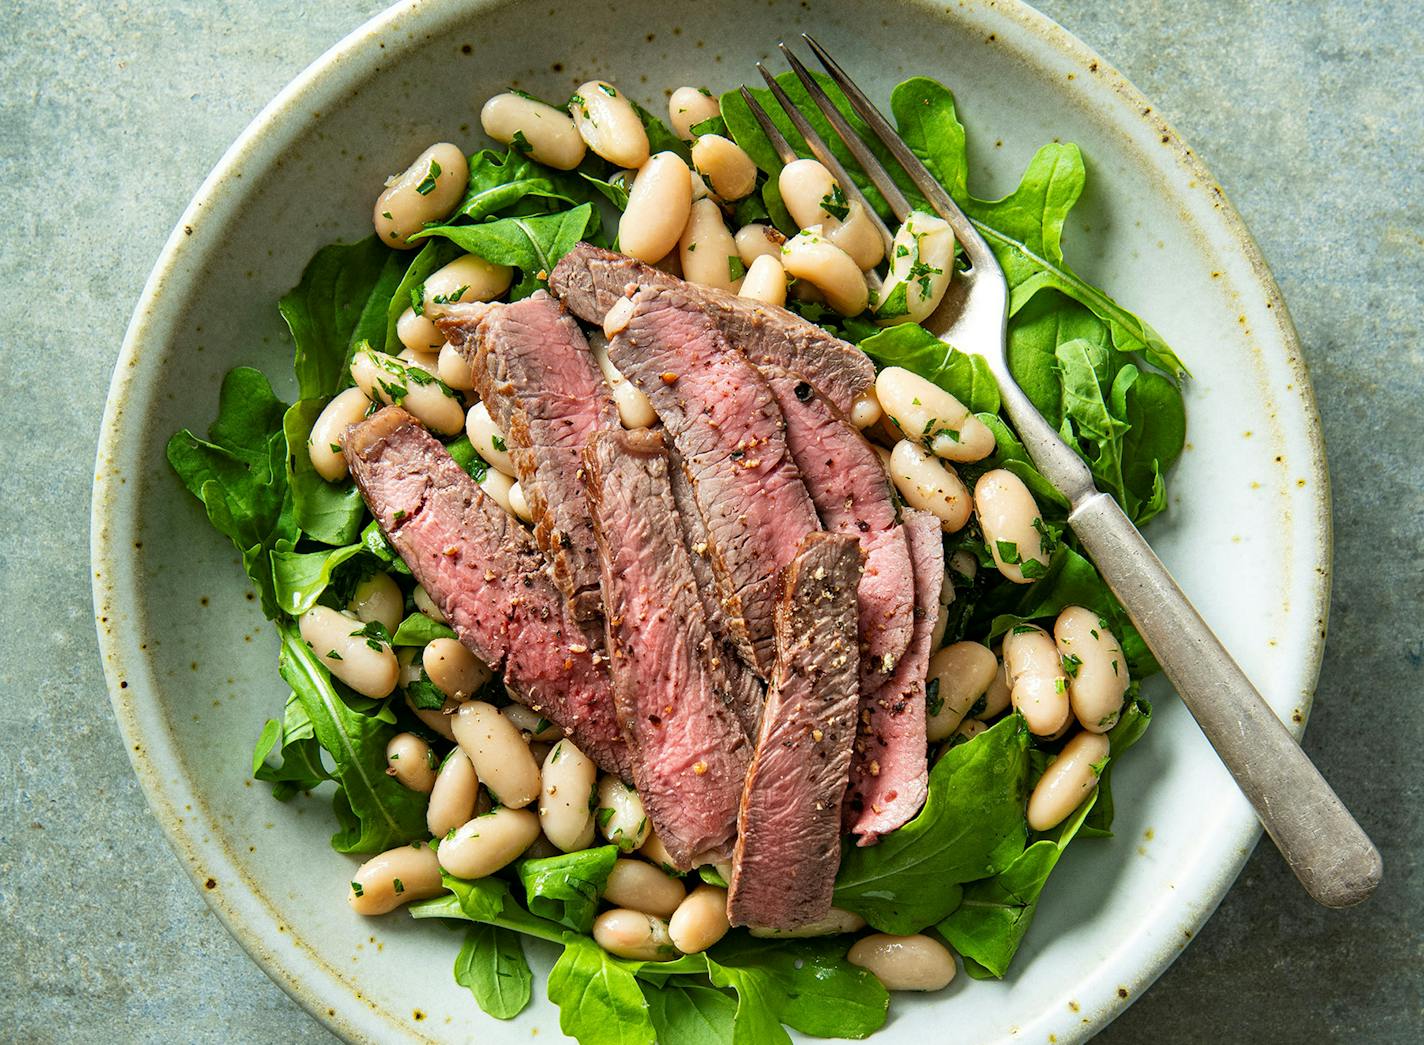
933, 192
823, 153
773, 134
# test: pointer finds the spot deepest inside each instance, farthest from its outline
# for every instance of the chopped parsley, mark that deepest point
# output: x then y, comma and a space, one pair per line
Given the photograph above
427, 186
736, 267
451, 298
356, 889
1071, 663
834, 203
934, 703
417, 300
331, 654
520, 144
400, 886
1008, 553
498, 443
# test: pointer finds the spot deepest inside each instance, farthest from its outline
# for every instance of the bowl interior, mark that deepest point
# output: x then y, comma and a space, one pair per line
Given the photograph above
192, 662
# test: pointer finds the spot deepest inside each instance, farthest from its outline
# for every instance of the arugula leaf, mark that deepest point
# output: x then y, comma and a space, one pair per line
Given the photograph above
964, 376
688, 1014
532, 244
301, 767
486, 900
432, 256
497, 182
418, 629
566, 888
972, 824
376, 543
1088, 415
374, 810
1011, 455
299, 578
1156, 434
660, 136
327, 512
1048, 320
491, 964
599, 1000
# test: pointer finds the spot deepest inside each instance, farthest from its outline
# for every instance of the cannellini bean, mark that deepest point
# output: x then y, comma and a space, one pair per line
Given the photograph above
609, 124
1068, 781
866, 409
501, 759
537, 130
388, 379
837, 921
654, 850
456, 672
700, 920
964, 565
452, 800
566, 795
635, 410
765, 281
904, 963
1037, 685
941, 626
729, 171
632, 934
616, 319
410, 760
482, 846
700, 191
488, 439
454, 371
327, 434
433, 719
962, 672
996, 697
708, 252
690, 106
927, 483
529, 722
1011, 522
397, 876
658, 208
921, 265
858, 236
497, 485
930, 416
426, 605
519, 504
378, 598
620, 814
428, 190
465, 280
1095, 665
640, 886
757, 241
365, 664
427, 361
417, 331
805, 186
811, 257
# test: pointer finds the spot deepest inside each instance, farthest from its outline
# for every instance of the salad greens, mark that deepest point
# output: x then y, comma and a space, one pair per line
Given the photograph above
967, 866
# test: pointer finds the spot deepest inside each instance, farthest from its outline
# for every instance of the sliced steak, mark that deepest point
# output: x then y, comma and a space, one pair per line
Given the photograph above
848, 484
590, 279
724, 421
788, 843
484, 572
670, 681
534, 371
889, 775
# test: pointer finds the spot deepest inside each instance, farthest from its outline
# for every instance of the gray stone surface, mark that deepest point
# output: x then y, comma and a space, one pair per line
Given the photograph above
110, 115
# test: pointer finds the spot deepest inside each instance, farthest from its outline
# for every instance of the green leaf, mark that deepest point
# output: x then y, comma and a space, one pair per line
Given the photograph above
299, 578
972, 825
328, 512
660, 136
966, 377
376, 543
492, 965
498, 181
532, 244
566, 888
1084, 368
301, 767
926, 119
688, 1014
418, 630
599, 1000
1157, 432
1011, 455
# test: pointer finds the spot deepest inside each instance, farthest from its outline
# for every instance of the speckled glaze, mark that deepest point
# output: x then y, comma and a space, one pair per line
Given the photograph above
191, 663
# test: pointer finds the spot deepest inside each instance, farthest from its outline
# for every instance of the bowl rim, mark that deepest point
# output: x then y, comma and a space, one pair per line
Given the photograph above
298, 968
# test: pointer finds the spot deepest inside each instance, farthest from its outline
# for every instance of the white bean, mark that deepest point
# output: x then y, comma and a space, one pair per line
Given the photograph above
530, 722
386, 378
700, 191
700, 920
417, 331
658, 208
634, 935
488, 439
454, 371
1011, 522
729, 171
866, 409
805, 187
635, 410
927, 483
365, 664
378, 598
941, 626
452, 800
758, 241
410, 760
965, 565
482, 846
996, 697
397, 876
904, 963
1037, 685
501, 759
465, 280
963, 671
434, 719
858, 236
497, 485
426, 605
765, 281
639, 886
1096, 667
621, 818
690, 106
427, 361
566, 796
519, 504
921, 265
537, 130
811, 257
835, 922
654, 850
708, 252
609, 124
456, 672
329, 430
428, 190
1068, 781
932, 417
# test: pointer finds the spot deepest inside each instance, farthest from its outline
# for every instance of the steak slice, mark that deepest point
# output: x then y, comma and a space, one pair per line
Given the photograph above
670, 682
589, 280
482, 569
889, 775
534, 371
788, 843
851, 492
725, 424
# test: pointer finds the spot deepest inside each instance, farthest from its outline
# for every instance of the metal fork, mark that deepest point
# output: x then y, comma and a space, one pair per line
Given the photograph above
1322, 843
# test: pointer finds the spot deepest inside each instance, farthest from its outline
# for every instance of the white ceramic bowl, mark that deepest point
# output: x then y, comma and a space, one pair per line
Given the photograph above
191, 662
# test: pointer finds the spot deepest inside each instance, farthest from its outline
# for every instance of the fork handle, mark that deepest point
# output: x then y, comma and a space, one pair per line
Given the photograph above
1321, 841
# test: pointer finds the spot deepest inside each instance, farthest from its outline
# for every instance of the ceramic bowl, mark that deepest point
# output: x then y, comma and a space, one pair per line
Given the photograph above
191, 662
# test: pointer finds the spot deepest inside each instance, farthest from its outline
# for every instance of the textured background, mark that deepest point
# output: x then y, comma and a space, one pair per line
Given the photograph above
1309, 114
